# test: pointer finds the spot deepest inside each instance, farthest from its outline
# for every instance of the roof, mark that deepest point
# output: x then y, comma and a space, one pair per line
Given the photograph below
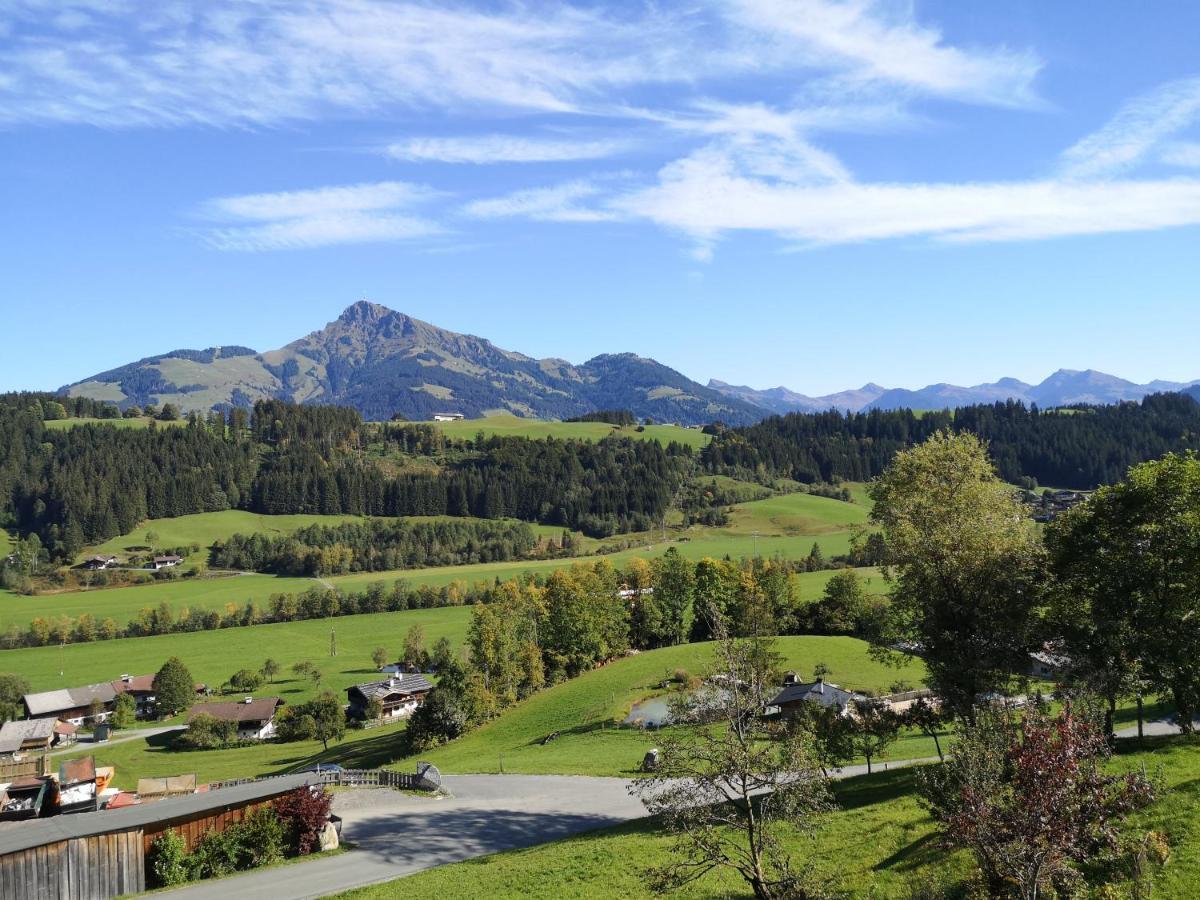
175, 809
168, 558
821, 692
13, 735
48, 702
74, 771
174, 785
407, 684
255, 711
139, 683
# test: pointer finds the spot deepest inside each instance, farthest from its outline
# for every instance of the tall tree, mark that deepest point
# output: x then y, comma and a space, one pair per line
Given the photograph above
174, 689
963, 561
1128, 584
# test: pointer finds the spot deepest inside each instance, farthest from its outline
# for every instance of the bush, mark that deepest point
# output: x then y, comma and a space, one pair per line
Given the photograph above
263, 838
303, 814
207, 732
244, 681
169, 859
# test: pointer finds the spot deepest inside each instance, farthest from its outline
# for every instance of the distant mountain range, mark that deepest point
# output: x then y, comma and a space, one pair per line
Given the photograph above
383, 362
1064, 388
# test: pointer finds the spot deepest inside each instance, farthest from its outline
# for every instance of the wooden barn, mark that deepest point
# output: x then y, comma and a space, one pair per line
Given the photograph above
94, 856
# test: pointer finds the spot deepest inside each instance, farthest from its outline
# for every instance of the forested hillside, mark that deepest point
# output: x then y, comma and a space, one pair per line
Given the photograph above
1082, 447
79, 486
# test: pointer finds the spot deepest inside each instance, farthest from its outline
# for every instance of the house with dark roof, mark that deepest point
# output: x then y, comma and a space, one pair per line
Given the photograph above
72, 705
255, 719
165, 562
141, 688
399, 695
100, 562
791, 699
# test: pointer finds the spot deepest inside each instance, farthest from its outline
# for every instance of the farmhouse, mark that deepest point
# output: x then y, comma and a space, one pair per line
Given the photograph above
72, 705
165, 562
448, 417
141, 688
99, 562
400, 696
255, 719
790, 700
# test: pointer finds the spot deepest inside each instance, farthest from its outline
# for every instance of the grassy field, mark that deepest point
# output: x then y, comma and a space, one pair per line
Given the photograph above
139, 422
585, 710
154, 757
204, 529
787, 526
6, 543
124, 603
514, 426
880, 842
212, 656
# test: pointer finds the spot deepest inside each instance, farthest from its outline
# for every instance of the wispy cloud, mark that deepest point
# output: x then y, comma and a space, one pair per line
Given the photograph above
287, 220
881, 41
560, 203
263, 62
1184, 154
498, 148
1137, 129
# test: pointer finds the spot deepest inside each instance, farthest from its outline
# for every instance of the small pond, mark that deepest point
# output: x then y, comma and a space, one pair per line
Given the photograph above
652, 713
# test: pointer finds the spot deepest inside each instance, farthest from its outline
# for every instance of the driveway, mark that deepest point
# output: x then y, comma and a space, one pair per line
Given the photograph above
398, 834
1155, 728
120, 737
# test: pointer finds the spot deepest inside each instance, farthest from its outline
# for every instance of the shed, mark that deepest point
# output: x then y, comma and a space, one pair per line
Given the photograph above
27, 735
94, 856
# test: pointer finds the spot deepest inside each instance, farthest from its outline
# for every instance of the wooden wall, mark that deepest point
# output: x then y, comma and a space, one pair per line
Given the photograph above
194, 829
90, 868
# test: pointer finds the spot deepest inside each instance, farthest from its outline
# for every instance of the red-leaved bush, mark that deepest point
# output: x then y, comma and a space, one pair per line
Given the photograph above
304, 813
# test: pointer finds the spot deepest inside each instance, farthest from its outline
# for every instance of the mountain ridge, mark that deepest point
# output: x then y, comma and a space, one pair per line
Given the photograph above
383, 362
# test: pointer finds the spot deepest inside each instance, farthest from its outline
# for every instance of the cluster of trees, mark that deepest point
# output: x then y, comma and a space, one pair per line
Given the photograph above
1077, 448
376, 545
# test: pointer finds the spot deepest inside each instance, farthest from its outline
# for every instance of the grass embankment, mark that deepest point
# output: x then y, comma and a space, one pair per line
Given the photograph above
586, 711
879, 843
515, 426
212, 656
154, 757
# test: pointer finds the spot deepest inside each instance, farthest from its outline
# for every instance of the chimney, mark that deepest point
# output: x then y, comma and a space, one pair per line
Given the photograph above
126, 678
820, 685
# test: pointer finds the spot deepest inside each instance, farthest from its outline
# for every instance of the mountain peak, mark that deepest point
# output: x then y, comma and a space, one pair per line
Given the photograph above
365, 312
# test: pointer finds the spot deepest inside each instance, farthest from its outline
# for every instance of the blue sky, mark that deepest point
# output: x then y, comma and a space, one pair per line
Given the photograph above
797, 192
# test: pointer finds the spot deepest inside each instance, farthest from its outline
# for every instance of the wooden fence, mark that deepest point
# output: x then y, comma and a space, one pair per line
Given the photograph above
102, 865
426, 778
11, 770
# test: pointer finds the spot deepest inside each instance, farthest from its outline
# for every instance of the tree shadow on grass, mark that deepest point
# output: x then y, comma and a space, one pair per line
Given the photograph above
879, 787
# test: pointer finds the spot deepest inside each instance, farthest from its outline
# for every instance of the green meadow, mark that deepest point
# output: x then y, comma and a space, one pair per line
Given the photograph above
586, 711
879, 842
787, 526
124, 603
138, 422
515, 426
212, 656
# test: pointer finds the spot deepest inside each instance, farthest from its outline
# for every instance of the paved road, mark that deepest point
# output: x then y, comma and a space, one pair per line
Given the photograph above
1155, 728
121, 738
398, 834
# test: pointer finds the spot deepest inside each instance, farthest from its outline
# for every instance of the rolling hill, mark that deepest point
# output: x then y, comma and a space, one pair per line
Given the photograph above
383, 362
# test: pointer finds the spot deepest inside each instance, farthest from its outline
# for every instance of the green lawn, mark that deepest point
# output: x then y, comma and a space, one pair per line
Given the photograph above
212, 656
514, 426
880, 842
6, 543
154, 757
585, 710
